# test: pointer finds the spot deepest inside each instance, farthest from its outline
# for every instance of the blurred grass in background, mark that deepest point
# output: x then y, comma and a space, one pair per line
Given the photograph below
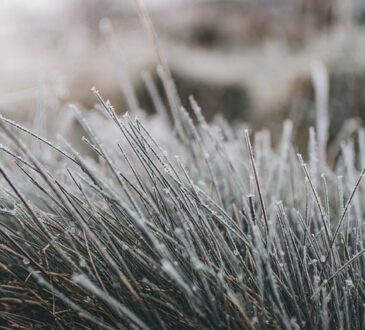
246, 60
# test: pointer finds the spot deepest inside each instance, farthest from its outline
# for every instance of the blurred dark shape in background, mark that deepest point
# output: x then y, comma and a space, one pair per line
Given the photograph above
244, 60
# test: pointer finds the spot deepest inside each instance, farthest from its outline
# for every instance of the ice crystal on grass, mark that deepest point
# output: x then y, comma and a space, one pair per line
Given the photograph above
229, 234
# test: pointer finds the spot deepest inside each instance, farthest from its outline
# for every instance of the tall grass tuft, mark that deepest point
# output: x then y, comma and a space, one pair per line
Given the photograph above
215, 229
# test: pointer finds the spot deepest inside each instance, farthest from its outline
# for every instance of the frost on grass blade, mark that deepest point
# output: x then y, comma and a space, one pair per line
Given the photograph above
199, 231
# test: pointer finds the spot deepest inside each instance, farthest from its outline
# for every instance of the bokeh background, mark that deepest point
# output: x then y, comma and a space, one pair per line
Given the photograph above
243, 60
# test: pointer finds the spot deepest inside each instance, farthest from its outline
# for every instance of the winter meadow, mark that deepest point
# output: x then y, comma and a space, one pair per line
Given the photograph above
151, 211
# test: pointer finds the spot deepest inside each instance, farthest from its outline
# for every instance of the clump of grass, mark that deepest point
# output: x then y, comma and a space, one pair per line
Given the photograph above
220, 230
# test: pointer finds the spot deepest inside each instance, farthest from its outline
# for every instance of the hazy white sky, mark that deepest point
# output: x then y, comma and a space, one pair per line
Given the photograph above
8, 7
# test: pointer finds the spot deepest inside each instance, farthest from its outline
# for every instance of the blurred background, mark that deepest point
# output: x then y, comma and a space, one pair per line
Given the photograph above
243, 60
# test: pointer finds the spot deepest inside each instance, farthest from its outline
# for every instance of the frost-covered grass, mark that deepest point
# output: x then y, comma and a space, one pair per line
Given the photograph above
214, 229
